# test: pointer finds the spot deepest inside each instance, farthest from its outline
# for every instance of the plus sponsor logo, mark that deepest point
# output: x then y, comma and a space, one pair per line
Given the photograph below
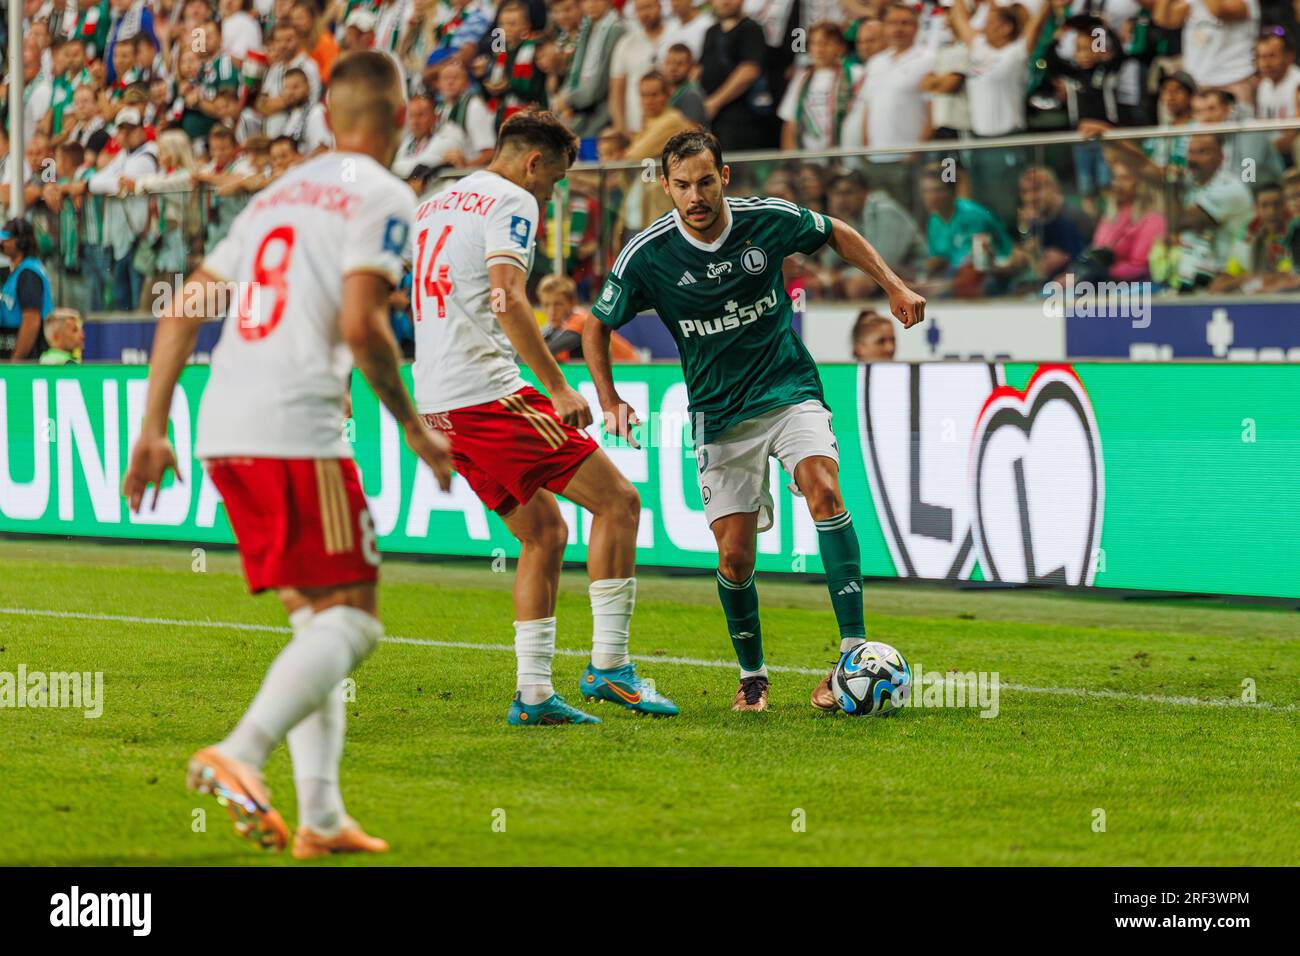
735, 316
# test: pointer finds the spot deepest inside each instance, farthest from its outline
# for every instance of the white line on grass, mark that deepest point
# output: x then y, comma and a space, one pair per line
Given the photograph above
1181, 701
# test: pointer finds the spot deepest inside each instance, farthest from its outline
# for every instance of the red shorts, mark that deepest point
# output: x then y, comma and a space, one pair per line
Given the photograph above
509, 448
300, 522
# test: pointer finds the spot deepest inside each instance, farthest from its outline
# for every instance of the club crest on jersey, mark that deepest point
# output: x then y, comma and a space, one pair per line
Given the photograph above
717, 269
734, 318
520, 228
754, 260
608, 298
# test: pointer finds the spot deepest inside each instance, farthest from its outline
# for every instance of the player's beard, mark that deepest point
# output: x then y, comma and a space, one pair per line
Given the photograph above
712, 211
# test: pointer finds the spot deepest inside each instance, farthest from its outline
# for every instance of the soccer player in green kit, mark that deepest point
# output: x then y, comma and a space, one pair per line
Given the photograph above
711, 269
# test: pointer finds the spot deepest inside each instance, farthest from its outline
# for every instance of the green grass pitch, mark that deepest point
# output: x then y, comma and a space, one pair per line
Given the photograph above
1182, 771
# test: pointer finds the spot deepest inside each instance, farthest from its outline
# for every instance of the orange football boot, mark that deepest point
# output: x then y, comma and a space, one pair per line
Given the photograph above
308, 844
240, 790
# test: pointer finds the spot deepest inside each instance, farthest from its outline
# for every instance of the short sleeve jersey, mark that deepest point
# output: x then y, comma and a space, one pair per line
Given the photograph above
462, 354
726, 306
281, 369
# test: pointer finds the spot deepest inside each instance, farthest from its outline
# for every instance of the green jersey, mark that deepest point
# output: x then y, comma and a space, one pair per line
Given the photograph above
726, 306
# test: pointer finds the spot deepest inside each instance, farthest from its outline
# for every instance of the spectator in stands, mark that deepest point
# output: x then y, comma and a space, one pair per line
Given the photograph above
1051, 233
999, 56
284, 156
509, 76
737, 101
869, 39
945, 84
463, 114
129, 19
566, 19
57, 199
640, 50
557, 297
964, 240
873, 337
1260, 260
1130, 226
420, 146
1090, 82
66, 336
125, 219
896, 112
285, 53
38, 92
315, 39
885, 224
1278, 86
1218, 41
684, 94
688, 26
359, 30
816, 102
1215, 208
85, 116
240, 31
583, 102
1250, 154
810, 183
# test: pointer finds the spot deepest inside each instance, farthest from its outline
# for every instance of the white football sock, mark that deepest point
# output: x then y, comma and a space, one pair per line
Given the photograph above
761, 672
848, 643
534, 648
612, 601
316, 747
321, 654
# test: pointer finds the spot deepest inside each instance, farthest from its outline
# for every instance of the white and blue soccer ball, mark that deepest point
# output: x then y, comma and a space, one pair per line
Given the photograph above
872, 680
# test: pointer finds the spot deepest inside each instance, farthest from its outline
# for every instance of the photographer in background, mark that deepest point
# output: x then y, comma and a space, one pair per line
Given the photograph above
25, 300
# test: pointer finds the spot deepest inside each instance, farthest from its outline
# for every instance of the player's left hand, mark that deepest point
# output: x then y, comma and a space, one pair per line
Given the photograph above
908, 306
150, 460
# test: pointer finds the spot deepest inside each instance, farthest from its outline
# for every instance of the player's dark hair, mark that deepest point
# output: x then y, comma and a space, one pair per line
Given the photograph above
691, 142
539, 129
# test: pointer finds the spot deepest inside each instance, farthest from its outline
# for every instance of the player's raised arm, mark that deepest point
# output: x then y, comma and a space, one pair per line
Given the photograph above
363, 323
509, 299
908, 306
173, 343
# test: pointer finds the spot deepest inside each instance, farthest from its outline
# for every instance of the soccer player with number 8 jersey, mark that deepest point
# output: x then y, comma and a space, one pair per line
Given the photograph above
311, 261
516, 447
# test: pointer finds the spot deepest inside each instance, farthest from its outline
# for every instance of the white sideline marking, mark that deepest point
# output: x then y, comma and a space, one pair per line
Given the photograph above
1180, 701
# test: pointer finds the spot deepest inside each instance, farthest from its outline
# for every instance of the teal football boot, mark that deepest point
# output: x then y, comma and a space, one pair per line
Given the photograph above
553, 710
623, 686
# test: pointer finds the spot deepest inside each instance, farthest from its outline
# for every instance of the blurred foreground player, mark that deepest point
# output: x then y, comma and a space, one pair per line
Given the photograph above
711, 268
473, 245
314, 257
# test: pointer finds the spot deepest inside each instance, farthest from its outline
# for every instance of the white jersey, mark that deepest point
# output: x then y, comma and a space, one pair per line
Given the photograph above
280, 372
462, 355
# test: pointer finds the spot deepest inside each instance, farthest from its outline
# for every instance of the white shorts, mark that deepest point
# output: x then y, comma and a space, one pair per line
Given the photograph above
733, 468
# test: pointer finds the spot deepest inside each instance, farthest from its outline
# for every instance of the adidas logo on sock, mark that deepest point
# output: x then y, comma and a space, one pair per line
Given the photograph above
687, 278
853, 587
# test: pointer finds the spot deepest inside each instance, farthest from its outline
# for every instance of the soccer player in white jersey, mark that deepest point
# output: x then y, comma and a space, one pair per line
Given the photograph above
473, 247
314, 257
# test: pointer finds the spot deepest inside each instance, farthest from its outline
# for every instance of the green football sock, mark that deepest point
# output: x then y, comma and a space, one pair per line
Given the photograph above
740, 605
842, 559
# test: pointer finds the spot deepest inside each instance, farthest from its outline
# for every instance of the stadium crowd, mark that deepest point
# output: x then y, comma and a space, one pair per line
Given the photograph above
148, 124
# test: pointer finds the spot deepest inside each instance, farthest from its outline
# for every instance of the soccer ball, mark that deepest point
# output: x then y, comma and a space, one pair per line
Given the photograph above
872, 680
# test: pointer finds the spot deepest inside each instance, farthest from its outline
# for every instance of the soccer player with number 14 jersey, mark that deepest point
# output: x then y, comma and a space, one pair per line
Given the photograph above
473, 249
711, 268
